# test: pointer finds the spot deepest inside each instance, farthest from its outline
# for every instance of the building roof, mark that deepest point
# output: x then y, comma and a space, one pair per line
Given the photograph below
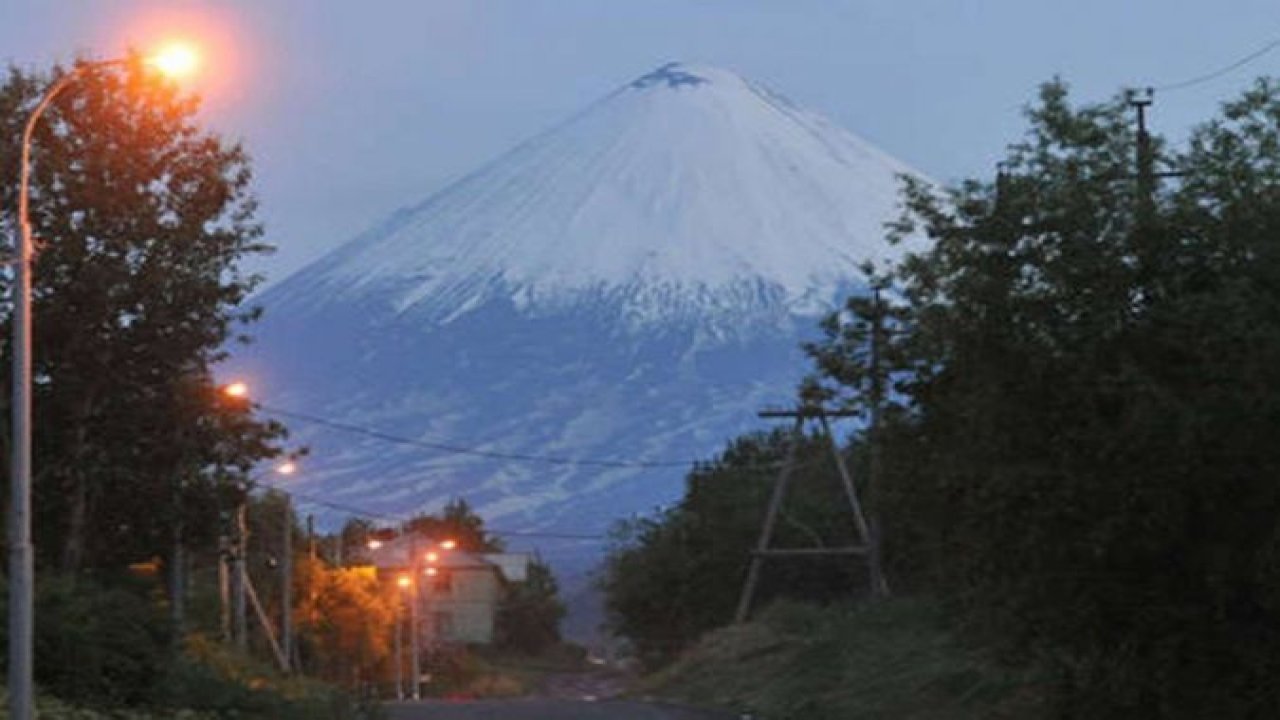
396, 554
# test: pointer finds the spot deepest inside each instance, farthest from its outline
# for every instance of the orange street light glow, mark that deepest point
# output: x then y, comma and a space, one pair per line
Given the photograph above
432, 571
449, 544
236, 390
374, 544
433, 557
175, 60
403, 581
287, 468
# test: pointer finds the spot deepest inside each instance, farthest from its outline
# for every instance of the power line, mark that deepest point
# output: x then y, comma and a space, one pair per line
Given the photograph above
400, 518
467, 450
1200, 79
475, 451
693, 465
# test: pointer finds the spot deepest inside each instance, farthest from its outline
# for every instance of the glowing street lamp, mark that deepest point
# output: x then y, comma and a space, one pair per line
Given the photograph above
449, 544
238, 390
175, 59
374, 544
404, 581
170, 62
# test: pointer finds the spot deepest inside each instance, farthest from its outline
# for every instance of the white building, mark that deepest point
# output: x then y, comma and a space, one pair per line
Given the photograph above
458, 592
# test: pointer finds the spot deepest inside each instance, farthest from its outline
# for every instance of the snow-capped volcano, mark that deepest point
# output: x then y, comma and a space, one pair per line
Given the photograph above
631, 285
688, 194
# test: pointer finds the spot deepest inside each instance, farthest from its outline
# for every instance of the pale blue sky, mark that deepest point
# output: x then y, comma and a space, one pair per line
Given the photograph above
352, 109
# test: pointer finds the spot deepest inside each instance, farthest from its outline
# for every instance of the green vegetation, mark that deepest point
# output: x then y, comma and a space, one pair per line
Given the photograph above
674, 576
106, 647
53, 709
1080, 447
143, 220
221, 682
894, 659
528, 620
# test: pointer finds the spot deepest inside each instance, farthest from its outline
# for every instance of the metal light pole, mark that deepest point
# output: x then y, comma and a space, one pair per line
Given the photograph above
21, 552
239, 391
286, 585
240, 580
286, 468
175, 60
403, 582
415, 643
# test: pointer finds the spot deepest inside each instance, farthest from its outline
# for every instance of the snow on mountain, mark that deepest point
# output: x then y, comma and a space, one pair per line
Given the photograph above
632, 284
688, 193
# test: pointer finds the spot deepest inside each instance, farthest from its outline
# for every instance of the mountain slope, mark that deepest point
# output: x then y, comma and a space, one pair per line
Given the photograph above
631, 285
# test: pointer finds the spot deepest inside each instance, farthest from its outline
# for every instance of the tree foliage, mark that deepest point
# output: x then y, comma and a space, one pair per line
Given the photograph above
459, 523
674, 575
141, 220
1080, 447
1089, 455
346, 618
529, 616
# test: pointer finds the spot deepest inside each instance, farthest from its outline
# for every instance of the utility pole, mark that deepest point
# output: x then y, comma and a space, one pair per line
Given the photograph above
313, 576
239, 579
286, 584
265, 622
311, 537
803, 413
879, 586
770, 519
224, 584
1144, 160
400, 647
415, 597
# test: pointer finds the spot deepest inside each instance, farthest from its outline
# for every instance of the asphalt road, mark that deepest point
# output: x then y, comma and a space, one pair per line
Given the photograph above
542, 709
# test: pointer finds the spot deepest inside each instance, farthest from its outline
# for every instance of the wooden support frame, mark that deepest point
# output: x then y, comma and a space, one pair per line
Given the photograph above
869, 540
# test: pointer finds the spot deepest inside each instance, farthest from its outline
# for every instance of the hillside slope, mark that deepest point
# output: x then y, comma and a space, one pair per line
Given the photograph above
895, 660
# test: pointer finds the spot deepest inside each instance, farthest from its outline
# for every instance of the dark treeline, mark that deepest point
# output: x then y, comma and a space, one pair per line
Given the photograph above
1080, 450
142, 220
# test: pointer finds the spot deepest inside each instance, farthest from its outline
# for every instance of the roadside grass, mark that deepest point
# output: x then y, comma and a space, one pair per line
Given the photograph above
213, 682
52, 709
893, 659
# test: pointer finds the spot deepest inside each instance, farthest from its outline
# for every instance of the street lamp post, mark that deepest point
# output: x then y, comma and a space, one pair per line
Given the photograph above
21, 552
239, 391
239, 577
415, 622
404, 581
286, 571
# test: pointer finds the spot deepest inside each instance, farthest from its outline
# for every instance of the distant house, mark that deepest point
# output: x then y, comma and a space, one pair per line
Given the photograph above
459, 593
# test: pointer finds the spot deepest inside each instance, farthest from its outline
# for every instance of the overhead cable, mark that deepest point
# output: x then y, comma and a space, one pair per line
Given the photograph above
1214, 75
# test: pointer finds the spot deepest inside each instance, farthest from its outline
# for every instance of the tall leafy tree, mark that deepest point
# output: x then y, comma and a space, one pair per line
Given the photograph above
459, 523
142, 219
1089, 451
529, 617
